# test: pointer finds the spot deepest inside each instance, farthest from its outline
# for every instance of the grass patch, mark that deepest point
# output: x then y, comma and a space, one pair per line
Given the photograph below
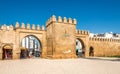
113, 56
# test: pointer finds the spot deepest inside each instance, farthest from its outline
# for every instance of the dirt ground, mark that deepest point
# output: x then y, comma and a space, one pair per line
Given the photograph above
59, 66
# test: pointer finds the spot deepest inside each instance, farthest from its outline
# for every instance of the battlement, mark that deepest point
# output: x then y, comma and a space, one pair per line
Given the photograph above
104, 39
22, 26
5, 27
61, 20
83, 32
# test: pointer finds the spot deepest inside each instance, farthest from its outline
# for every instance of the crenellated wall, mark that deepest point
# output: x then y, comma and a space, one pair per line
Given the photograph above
61, 37
58, 39
83, 37
82, 32
22, 26
104, 39
61, 20
101, 46
13, 36
105, 47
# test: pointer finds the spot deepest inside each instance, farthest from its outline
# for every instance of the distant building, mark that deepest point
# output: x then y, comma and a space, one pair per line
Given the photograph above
105, 35
119, 35
92, 35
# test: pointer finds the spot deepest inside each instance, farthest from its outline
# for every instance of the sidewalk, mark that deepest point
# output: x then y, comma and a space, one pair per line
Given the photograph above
105, 58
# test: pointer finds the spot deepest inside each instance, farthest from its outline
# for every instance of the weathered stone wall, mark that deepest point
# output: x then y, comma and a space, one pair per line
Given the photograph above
13, 37
105, 47
50, 40
83, 37
61, 37
7, 37
58, 40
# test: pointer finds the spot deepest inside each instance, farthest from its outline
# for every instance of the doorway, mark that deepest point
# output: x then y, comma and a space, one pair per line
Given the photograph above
79, 48
23, 54
7, 54
91, 51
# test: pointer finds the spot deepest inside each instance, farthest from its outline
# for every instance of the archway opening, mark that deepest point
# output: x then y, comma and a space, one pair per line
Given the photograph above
7, 52
79, 48
24, 53
91, 51
30, 47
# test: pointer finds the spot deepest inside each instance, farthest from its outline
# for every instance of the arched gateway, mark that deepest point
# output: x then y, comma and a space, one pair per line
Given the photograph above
7, 52
30, 47
60, 39
80, 48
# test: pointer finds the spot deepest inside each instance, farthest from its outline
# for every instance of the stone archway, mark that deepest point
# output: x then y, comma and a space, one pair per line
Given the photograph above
91, 51
80, 48
7, 52
30, 47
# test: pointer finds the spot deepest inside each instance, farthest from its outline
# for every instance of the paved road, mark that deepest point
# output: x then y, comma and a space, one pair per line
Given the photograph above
62, 66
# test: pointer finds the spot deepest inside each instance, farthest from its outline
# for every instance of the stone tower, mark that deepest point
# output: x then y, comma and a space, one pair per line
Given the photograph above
61, 39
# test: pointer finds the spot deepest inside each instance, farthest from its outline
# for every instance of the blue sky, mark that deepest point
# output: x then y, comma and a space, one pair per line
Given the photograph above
97, 16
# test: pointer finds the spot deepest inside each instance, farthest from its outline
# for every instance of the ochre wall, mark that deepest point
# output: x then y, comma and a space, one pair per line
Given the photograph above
7, 37
83, 37
58, 40
105, 47
61, 37
13, 37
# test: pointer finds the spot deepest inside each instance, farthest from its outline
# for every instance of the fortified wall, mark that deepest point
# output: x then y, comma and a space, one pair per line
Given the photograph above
58, 40
61, 37
10, 38
105, 47
99, 47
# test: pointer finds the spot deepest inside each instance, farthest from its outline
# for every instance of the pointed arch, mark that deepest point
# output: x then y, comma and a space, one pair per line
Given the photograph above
80, 47
32, 47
